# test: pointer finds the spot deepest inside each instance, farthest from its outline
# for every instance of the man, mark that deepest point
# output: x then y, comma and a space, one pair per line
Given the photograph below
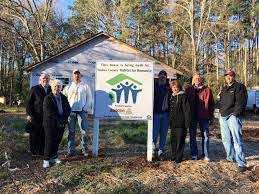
202, 109
34, 111
233, 99
80, 99
161, 111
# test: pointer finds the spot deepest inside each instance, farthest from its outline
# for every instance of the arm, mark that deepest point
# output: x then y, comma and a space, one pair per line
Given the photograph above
211, 104
89, 98
49, 109
30, 105
241, 99
187, 111
67, 109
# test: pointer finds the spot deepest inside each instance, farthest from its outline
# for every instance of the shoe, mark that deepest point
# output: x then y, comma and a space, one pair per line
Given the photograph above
45, 164
206, 159
159, 153
57, 161
194, 158
242, 168
85, 154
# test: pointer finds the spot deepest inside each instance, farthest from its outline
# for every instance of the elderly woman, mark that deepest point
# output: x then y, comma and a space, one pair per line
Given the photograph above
56, 110
179, 119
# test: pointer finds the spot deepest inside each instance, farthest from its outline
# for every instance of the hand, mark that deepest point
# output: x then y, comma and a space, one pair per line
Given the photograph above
29, 118
211, 121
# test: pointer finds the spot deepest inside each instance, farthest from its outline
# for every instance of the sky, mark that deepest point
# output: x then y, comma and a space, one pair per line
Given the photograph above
62, 6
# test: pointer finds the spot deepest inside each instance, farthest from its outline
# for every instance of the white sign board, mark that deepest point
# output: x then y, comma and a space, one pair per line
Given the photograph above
124, 90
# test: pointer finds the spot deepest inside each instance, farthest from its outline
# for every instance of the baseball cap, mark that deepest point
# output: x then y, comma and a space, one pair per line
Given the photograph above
76, 71
162, 73
230, 72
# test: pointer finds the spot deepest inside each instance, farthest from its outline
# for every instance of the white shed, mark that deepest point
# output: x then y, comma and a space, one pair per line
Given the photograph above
83, 56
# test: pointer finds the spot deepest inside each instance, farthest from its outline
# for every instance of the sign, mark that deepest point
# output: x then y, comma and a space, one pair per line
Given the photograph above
124, 90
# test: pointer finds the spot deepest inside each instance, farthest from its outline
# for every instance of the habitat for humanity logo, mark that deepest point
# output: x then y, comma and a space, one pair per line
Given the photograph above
124, 85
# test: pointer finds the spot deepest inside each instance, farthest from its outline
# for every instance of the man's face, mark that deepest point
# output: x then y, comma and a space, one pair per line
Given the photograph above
44, 80
77, 77
162, 79
229, 79
197, 80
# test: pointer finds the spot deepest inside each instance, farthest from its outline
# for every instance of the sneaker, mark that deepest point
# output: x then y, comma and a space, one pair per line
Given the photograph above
206, 159
242, 168
194, 158
45, 164
85, 154
57, 161
159, 153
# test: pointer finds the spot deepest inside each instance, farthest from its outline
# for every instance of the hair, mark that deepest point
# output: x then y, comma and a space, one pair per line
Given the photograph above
202, 80
43, 74
55, 82
176, 83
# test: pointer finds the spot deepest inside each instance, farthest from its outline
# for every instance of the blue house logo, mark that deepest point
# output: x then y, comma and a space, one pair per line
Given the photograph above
123, 84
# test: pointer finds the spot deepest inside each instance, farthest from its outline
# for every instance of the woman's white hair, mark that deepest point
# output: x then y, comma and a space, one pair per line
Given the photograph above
55, 82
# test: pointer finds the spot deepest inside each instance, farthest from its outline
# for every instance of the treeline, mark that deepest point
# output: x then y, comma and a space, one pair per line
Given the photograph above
189, 35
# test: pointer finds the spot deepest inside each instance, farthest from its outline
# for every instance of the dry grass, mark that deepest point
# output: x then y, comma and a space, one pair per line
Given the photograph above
122, 168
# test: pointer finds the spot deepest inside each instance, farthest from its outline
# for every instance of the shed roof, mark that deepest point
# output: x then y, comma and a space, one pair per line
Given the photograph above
167, 68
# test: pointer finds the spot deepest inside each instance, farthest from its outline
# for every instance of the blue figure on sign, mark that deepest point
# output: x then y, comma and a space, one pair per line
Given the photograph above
126, 89
118, 92
134, 92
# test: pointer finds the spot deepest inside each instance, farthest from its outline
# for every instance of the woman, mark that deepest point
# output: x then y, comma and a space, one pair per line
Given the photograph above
56, 110
202, 108
179, 118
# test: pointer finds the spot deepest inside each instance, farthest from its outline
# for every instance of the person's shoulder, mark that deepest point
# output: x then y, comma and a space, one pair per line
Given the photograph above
36, 87
240, 86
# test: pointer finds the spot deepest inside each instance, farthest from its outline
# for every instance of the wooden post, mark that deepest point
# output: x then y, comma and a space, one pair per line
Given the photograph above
96, 137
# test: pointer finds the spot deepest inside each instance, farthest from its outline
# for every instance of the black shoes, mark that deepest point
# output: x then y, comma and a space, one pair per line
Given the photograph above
242, 168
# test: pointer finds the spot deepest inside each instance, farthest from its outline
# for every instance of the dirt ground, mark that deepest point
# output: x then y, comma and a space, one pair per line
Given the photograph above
123, 168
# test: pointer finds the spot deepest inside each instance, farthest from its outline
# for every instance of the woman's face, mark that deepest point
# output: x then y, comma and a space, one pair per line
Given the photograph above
57, 89
174, 88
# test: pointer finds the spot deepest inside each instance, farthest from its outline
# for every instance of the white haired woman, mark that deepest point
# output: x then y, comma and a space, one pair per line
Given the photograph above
56, 110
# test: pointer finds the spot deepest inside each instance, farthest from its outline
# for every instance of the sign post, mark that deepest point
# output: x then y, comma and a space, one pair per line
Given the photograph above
124, 90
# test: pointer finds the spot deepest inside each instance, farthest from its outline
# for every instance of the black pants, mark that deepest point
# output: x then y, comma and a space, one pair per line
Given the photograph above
53, 137
178, 136
37, 140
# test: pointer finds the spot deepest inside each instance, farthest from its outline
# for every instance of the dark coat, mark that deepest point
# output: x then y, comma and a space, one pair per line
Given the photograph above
179, 111
51, 117
161, 93
233, 100
35, 104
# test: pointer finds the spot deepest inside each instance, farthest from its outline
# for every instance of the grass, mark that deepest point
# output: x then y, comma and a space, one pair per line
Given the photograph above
134, 133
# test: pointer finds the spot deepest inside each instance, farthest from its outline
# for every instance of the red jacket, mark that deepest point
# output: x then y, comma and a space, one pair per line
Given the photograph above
201, 101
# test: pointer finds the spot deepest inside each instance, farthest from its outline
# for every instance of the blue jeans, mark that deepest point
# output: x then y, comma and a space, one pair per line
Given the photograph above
204, 127
160, 128
81, 117
231, 134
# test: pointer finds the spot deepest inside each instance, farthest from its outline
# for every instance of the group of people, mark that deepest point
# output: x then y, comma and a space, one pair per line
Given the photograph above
182, 109
175, 107
49, 110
